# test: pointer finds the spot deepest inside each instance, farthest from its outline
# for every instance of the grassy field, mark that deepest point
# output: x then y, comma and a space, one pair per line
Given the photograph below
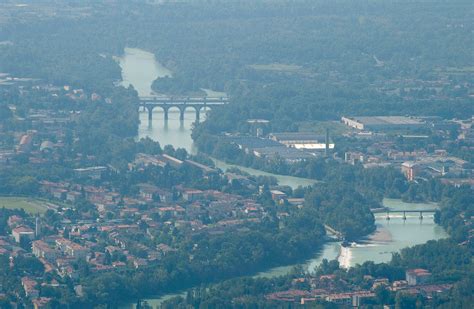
32, 206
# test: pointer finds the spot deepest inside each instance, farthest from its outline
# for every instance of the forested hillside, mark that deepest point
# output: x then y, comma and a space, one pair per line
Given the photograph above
279, 60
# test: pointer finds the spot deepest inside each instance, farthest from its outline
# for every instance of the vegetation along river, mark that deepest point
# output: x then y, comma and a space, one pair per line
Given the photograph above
140, 68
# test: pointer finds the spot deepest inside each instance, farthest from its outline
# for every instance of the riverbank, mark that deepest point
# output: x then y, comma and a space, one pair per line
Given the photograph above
390, 236
283, 180
132, 63
178, 134
393, 235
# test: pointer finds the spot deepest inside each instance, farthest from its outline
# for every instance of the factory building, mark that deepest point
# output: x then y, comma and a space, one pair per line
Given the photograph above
383, 123
302, 140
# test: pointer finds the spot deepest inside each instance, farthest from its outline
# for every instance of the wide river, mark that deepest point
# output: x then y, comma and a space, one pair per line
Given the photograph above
140, 68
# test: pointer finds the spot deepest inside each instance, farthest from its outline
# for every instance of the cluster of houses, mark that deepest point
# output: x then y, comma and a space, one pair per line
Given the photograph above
381, 142
336, 290
112, 243
180, 202
41, 142
31, 287
124, 231
42, 131
377, 141
131, 239
40, 150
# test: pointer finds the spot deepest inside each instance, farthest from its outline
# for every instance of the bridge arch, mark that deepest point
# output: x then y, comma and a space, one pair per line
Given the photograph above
198, 109
150, 108
181, 109
204, 109
199, 104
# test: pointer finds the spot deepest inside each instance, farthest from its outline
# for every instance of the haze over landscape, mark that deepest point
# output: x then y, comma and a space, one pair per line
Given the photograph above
236, 154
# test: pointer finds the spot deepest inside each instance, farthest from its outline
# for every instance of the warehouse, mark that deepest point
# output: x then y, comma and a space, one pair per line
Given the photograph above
383, 123
290, 155
302, 140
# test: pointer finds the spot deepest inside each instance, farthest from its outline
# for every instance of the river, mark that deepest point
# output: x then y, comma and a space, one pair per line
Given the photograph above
390, 237
140, 68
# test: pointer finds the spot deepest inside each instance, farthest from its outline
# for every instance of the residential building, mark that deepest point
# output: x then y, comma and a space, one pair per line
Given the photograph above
23, 232
71, 248
417, 276
94, 172
192, 195
42, 250
30, 287
278, 195
410, 170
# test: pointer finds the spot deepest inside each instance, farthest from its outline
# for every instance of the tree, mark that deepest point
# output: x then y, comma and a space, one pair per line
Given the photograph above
383, 295
5, 112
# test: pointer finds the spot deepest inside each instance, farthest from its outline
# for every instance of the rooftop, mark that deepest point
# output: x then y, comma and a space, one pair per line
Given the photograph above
388, 120
252, 142
297, 136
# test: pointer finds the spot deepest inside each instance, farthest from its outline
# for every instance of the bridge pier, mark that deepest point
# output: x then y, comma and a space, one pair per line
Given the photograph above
150, 113
198, 114
405, 211
181, 113
165, 112
149, 103
204, 110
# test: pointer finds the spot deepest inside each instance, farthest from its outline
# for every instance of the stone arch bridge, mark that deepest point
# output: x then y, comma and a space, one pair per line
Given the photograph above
182, 103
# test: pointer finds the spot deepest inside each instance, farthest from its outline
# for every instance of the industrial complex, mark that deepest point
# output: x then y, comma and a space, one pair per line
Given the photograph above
383, 123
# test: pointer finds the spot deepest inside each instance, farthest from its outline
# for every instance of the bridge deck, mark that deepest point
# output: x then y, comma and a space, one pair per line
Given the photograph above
406, 211
184, 100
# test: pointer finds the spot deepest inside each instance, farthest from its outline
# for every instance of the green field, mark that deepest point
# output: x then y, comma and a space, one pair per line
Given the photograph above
30, 205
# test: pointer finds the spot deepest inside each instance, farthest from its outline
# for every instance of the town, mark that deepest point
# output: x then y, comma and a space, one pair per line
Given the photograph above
421, 147
92, 225
336, 290
236, 154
